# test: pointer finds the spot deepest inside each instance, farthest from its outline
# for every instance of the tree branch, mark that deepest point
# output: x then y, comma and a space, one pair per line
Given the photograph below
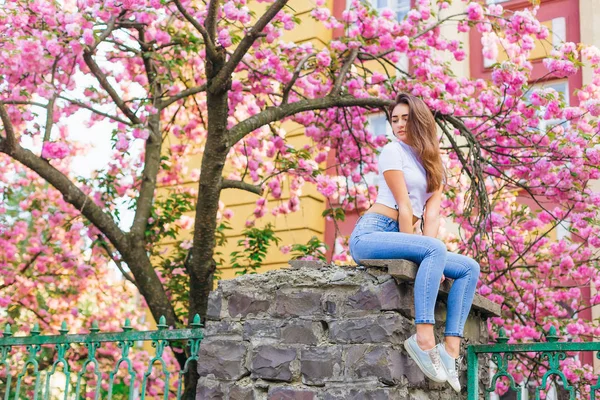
24, 269
72, 195
148, 181
181, 95
210, 23
297, 71
440, 22
24, 103
211, 51
11, 139
153, 149
98, 112
49, 118
477, 194
248, 40
110, 26
342, 76
233, 184
117, 262
272, 114
102, 79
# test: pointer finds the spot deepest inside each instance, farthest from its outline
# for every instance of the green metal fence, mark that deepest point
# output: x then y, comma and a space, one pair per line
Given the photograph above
540, 354
22, 375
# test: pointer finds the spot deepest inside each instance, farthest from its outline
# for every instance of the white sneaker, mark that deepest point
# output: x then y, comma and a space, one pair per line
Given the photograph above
429, 362
450, 366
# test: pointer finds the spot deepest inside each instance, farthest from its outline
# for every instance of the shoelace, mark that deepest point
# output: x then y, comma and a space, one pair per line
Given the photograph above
457, 364
435, 359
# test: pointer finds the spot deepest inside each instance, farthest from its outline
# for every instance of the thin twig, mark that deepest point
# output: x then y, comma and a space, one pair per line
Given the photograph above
342, 75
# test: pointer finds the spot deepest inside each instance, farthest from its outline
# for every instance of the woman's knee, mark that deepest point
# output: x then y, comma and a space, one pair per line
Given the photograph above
473, 268
436, 247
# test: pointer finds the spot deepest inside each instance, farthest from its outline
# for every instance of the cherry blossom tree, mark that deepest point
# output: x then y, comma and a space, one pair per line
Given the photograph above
185, 79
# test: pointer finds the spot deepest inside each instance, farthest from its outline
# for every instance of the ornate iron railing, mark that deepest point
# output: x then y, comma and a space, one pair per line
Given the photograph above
24, 377
549, 354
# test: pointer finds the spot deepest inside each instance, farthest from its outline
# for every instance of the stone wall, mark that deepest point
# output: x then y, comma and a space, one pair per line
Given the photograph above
328, 333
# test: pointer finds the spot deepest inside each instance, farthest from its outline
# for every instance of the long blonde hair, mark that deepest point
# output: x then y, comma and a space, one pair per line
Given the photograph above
421, 132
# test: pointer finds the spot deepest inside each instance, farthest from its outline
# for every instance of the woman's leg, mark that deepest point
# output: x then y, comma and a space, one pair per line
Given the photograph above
428, 253
465, 273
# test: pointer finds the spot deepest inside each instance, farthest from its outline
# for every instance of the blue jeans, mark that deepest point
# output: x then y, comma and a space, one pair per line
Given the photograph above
376, 236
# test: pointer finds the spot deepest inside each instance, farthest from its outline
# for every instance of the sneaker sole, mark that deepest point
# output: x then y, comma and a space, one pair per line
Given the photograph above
457, 389
414, 357
450, 383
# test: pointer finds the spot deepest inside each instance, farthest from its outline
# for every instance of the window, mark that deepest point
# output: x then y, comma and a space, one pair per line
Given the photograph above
380, 125
400, 7
542, 48
562, 88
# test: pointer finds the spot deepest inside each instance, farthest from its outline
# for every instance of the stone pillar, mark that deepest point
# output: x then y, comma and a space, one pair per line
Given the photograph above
331, 333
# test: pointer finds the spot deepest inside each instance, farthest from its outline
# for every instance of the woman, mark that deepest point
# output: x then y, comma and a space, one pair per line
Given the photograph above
410, 193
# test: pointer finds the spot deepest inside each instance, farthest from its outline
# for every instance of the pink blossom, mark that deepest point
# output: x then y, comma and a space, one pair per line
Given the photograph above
55, 150
474, 11
186, 222
323, 58
326, 186
122, 143
139, 133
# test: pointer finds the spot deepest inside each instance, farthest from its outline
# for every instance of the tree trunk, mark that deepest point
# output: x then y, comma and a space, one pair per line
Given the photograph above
201, 265
148, 283
201, 262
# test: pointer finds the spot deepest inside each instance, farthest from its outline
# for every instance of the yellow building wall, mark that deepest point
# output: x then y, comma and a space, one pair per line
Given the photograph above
298, 227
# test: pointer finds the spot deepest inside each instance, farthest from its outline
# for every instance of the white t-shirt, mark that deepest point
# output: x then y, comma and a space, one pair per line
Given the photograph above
399, 156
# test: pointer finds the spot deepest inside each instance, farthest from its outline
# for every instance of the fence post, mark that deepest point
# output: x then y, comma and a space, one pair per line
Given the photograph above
472, 374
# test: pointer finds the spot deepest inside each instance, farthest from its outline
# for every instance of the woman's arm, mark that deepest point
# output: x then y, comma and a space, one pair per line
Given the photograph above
431, 219
396, 183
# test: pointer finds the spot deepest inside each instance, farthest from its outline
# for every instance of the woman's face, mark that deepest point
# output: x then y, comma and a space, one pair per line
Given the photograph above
399, 118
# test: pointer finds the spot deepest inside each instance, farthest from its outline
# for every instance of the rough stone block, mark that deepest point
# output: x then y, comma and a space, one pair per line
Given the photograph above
213, 310
297, 304
375, 361
412, 373
242, 305
241, 393
390, 296
473, 329
290, 393
208, 389
365, 394
222, 328
364, 299
301, 332
329, 307
387, 328
224, 359
261, 329
335, 302
406, 303
320, 364
272, 363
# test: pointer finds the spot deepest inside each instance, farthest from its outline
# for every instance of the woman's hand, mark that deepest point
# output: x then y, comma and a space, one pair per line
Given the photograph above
417, 228
443, 279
